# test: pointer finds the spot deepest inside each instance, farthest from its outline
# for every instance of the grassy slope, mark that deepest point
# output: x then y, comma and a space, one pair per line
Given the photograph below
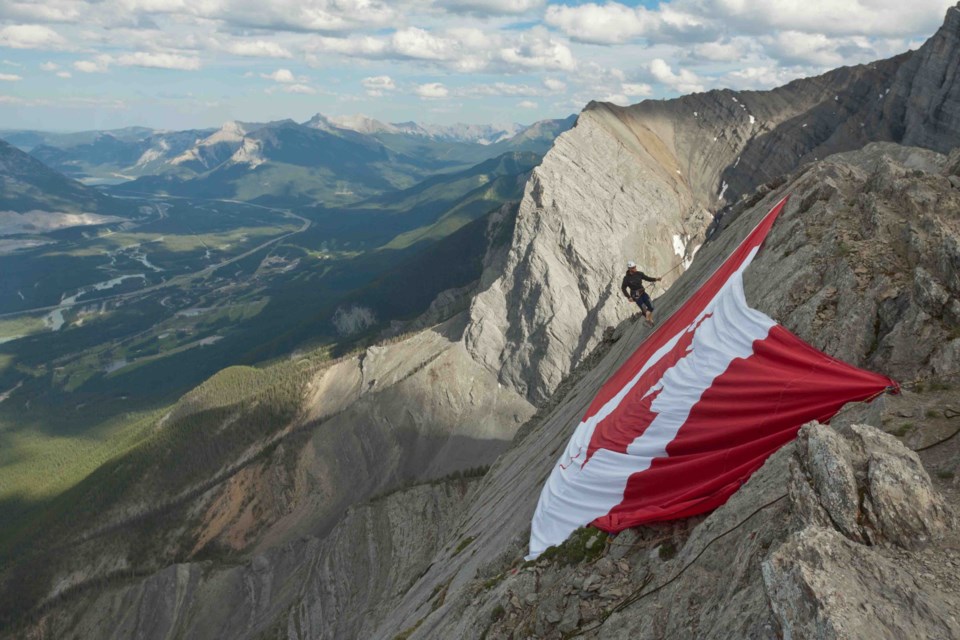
170, 453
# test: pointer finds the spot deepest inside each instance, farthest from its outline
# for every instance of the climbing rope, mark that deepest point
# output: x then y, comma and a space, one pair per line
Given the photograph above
950, 414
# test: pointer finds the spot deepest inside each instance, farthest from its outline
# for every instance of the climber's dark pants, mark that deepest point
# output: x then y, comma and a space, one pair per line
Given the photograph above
643, 301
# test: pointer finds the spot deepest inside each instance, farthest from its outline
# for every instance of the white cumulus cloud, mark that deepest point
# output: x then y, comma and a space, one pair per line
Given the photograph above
423, 45
831, 17
145, 59
465, 50
554, 85
280, 75
798, 48
729, 50
501, 89
98, 65
10, 77
432, 90
158, 61
537, 49
684, 81
492, 7
360, 46
31, 36
378, 85
615, 23
635, 89
299, 88
257, 49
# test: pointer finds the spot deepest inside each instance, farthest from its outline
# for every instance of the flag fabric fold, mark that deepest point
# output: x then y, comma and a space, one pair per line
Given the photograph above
693, 412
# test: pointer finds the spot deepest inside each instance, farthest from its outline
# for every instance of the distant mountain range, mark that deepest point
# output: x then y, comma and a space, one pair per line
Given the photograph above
469, 133
122, 155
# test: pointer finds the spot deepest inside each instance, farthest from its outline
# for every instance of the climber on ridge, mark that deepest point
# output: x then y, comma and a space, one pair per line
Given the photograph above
634, 282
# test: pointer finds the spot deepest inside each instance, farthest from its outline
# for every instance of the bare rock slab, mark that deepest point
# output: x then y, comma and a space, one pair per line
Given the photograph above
823, 585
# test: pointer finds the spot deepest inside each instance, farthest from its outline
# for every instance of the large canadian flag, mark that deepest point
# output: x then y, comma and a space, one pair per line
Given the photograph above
694, 412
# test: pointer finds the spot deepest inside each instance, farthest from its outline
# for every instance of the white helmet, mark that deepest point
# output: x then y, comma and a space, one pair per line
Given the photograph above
631, 264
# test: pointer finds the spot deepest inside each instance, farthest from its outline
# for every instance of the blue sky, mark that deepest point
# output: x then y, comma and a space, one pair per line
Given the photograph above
178, 64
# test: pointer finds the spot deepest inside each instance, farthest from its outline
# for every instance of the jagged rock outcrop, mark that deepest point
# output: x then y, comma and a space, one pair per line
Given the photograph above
868, 486
852, 492
866, 269
641, 182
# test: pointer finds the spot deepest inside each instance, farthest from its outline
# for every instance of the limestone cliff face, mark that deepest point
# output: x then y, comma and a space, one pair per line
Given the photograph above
605, 192
924, 102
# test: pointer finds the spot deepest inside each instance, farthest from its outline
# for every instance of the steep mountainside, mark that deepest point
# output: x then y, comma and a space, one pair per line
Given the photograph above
647, 179
862, 264
28, 185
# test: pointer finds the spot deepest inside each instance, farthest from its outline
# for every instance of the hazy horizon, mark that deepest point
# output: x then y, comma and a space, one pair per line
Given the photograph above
297, 120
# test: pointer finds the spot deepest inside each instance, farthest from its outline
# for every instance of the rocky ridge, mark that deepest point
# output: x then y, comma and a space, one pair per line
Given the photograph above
642, 182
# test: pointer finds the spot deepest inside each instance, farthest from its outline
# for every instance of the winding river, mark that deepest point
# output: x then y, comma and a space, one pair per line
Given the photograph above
55, 320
